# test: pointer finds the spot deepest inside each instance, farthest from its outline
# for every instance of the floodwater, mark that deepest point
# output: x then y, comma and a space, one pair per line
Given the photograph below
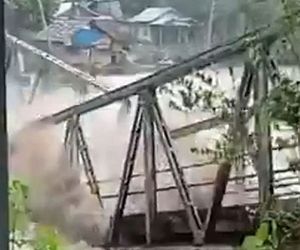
107, 134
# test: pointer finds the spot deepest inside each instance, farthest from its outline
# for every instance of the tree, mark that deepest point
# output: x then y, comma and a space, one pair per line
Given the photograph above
21, 235
133, 7
259, 12
40, 11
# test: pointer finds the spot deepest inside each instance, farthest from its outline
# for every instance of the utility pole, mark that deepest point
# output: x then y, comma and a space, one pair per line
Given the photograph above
211, 23
4, 228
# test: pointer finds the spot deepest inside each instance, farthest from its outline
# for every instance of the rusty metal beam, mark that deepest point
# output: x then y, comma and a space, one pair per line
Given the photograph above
61, 64
70, 141
166, 75
67, 133
203, 164
166, 170
198, 126
87, 163
149, 115
206, 124
194, 219
264, 165
35, 85
202, 184
149, 165
220, 185
114, 231
239, 129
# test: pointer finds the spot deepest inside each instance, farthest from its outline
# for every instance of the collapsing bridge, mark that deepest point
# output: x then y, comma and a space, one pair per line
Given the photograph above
148, 122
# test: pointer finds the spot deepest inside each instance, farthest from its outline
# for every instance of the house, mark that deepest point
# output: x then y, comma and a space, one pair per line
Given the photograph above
164, 26
73, 10
79, 35
100, 40
90, 9
112, 7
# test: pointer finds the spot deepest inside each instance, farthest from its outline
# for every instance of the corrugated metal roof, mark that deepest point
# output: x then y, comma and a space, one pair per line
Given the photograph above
61, 29
164, 19
151, 14
163, 16
118, 30
174, 21
106, 7
63, 7
87, 38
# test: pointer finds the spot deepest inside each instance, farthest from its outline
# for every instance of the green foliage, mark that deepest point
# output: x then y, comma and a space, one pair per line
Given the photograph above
201, 91
284, 103
277, 229
291, 21
258, 13
261, 240
44, 237
251, 243
291, 9
31, 7
47, 238
197, 92
224, 149
18, 211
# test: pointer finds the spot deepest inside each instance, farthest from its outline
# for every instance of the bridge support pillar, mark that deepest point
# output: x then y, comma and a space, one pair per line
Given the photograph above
148, 118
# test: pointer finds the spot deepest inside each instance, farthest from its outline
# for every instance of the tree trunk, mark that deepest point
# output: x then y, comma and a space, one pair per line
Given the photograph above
210, 24
42, 11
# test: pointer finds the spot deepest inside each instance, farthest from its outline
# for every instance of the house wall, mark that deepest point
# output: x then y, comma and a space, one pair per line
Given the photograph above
100, 56
166, 35
155, 35
195, 44
183, 35
152, 53
169, 35
73, 56
141, 32
116, 47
